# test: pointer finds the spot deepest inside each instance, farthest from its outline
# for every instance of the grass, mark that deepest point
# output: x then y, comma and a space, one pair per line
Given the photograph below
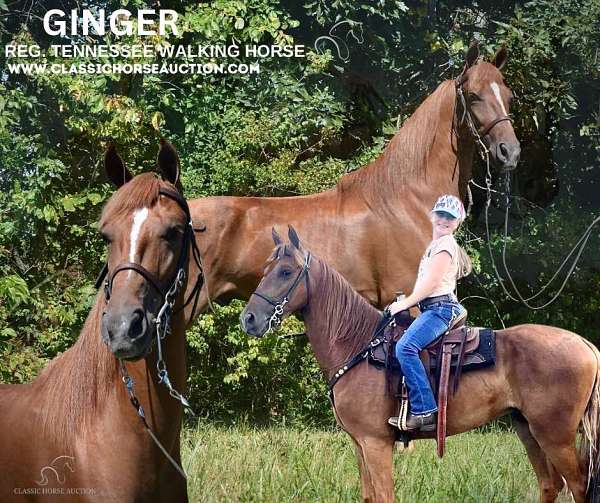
289, 465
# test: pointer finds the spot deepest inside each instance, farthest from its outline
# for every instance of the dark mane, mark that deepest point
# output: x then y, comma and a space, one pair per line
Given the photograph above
78, 382
348, 317
406, 155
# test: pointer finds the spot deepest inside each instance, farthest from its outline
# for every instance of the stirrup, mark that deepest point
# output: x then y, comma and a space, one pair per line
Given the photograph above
394, 421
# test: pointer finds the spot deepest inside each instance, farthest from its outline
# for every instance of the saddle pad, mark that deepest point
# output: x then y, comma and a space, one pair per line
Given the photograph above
483, 356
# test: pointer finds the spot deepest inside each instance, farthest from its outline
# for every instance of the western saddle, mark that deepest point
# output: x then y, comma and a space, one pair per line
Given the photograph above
444, 359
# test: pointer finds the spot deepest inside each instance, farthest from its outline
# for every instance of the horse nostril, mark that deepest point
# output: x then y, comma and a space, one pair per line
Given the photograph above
249, 319
137, 326
503, 150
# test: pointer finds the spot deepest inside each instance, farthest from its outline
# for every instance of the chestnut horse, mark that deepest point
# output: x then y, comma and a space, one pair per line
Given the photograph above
546, 377
373, 226
73, 434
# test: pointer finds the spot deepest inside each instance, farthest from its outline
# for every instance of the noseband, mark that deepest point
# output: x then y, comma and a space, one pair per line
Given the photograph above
278, 304
467, 115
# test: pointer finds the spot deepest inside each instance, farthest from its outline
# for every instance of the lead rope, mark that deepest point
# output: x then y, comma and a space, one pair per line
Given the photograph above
129, 383
163, 328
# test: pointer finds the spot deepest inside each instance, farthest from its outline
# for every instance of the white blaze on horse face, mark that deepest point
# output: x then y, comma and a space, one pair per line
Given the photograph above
139, 216
496, 89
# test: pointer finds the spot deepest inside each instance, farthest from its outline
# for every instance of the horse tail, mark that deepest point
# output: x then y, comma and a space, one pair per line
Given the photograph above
589, 448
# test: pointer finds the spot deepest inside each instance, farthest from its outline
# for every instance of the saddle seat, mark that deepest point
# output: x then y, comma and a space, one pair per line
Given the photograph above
465, 339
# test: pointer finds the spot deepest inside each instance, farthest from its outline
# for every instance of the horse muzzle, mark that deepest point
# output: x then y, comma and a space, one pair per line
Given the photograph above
506, 155
251, 324
127, 332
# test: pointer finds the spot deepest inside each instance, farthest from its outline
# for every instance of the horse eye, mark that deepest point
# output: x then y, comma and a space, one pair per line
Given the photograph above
285, 273
473, 97
172, 234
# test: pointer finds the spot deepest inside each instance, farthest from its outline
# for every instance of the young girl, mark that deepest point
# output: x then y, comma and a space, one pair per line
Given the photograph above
442, 264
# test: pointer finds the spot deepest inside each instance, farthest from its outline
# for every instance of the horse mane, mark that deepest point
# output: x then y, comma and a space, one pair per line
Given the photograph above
406, 155
348, 317
78, 382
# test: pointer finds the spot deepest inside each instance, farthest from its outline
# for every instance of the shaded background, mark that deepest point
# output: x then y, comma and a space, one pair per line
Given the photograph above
295, 128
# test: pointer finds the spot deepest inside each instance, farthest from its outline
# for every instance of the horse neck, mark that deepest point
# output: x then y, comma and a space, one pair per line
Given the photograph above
423, 160
84, 391
338, 321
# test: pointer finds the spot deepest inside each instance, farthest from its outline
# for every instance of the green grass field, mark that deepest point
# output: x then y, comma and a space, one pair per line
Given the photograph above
290, 465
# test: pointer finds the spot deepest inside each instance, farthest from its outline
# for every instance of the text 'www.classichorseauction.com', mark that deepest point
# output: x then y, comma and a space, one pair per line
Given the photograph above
147, 59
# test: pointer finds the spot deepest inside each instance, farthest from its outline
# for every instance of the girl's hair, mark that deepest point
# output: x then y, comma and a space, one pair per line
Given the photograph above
465, 265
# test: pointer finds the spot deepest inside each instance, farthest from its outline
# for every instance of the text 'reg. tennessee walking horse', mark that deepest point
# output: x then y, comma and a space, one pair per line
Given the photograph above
547, 378
73, 434
379, 213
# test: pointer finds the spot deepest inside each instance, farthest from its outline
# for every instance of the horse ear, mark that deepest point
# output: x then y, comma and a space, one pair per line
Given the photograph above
472, 54
293, 235
114, 166
276, 237
500, 58
168, 162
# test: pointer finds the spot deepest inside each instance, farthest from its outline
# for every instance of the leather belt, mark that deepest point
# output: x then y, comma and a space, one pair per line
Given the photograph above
437, 298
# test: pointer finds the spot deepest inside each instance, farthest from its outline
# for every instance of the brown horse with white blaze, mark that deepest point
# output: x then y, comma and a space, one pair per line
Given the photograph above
547, 378
73, 434
379, 213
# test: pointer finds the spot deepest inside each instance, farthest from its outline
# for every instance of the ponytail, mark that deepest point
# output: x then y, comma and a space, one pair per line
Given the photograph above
464, 263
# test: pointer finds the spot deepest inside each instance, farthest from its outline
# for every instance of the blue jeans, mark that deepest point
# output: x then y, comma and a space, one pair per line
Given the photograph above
433, 322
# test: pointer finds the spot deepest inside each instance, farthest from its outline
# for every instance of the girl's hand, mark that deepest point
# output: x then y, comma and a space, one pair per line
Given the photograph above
397, 306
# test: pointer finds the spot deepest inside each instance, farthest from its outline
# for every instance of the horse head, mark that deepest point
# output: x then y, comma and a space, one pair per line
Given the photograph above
146, 225
484, 103
283, 290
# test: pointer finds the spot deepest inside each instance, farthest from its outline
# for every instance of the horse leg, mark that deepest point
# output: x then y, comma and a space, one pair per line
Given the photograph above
561, 452
377, 454
549, 480
368, 493
566, 461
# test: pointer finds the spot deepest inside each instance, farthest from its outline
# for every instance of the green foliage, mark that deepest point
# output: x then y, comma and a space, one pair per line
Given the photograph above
293, 128
270, 379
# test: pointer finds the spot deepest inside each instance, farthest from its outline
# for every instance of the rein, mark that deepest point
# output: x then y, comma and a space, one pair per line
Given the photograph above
484, 152
163, 318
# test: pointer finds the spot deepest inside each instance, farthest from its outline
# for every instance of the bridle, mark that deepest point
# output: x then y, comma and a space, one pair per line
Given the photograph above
467, 116
168, 292
477, 133
278, 304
